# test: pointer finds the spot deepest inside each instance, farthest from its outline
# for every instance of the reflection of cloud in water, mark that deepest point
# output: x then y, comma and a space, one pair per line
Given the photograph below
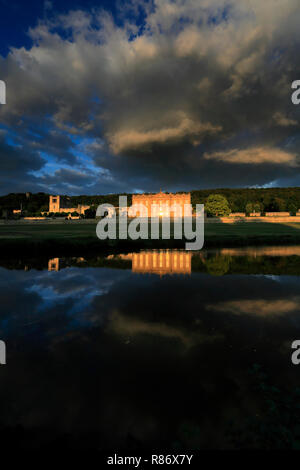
128, 326
272, 277
81, 292
53, 302
259, 307
68, 299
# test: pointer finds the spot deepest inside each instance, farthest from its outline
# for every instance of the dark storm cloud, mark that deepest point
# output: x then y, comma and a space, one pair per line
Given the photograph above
200, 96
67, 180
54, 143
16, 163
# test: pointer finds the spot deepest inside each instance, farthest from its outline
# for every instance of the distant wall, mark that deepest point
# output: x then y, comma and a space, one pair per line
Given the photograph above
258, 214
269, 219
277, 214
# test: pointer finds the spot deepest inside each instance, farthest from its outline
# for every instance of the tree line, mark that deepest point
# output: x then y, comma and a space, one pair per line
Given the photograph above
236, 200
253, 199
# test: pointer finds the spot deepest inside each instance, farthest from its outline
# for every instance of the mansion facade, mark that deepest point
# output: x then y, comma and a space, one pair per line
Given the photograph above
163, 204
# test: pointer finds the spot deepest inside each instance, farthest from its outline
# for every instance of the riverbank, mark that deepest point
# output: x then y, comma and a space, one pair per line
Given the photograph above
78, 237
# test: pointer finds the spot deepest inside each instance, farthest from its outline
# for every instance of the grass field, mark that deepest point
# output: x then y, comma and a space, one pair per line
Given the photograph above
74, 236
259, 232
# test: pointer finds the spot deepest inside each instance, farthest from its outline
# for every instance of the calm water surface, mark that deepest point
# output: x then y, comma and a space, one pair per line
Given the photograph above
147, 349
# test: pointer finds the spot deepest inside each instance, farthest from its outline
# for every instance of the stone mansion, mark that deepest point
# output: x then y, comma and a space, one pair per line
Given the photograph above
163, 204
158, 205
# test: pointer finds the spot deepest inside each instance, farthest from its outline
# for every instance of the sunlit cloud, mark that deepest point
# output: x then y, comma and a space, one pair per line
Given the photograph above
257, 307
255, 156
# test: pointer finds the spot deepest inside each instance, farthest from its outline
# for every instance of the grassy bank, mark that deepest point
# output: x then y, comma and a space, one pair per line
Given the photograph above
62, 239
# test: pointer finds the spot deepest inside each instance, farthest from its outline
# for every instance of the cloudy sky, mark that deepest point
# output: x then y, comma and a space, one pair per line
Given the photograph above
110, 96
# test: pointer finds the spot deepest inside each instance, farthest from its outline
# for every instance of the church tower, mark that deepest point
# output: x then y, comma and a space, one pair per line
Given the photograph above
54, 203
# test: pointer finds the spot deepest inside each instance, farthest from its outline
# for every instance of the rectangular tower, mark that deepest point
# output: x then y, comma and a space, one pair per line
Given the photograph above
54, 204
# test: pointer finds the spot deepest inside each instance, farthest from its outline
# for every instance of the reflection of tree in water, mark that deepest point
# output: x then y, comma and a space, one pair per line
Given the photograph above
218, 265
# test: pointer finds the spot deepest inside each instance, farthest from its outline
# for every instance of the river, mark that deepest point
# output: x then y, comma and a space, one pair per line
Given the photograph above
167, 349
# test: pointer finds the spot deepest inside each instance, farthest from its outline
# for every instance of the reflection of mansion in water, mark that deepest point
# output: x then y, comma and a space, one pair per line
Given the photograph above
171, 261
161, 262
154, 262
